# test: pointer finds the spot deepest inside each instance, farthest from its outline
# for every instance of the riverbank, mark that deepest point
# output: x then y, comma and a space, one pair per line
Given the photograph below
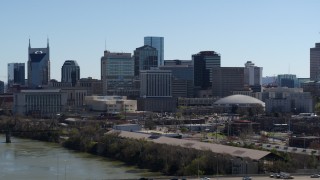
166, 159
32, 159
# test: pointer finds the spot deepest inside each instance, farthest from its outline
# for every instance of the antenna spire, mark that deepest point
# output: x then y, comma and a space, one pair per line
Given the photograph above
105, 44
29, 43
47, 42
289, 68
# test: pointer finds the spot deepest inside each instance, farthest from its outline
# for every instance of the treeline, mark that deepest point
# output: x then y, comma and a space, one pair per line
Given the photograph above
38, 130
169, 160
174, 160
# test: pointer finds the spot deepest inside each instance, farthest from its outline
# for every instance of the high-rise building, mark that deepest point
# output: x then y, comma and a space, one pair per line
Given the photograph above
287, 80
156, 91
226, 80
16, 74
253, 76
145, 57
70, 72
315, 63
158, 43
203, 62
117, 72
1, 87
38, 66
182, 79
177, 62
155, 83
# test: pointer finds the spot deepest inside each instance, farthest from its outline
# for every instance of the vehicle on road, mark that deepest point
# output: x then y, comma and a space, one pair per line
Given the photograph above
205, 178
288, 177
315, 176
246, 178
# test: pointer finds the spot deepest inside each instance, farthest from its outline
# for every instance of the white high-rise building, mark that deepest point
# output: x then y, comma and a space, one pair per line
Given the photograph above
158, 43
252, 74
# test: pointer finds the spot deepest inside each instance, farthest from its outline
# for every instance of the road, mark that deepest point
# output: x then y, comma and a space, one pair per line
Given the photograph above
302, 177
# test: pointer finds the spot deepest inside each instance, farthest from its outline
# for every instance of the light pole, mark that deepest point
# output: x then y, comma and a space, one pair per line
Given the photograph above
198, 169
65, 169
216, 119
231, 166
217, 167
57, 167
246, 168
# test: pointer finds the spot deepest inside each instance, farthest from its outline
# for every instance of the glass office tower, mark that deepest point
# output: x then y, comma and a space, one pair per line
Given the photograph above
117, 72
158, 43
38, 66
70, 72
16, 74
203, 62
145, 58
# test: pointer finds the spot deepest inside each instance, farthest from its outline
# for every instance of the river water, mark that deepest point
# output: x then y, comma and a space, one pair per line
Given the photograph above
29, 159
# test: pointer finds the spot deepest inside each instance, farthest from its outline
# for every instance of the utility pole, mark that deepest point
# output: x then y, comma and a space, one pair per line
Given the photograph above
8, 135
217, 168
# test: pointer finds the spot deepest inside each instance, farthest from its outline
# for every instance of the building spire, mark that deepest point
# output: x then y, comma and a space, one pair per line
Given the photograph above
105, 44
29, 43
47, 42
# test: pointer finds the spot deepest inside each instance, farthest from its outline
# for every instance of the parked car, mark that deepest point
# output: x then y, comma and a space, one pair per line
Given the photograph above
288, 177
274, 175
315, 176
205, 178
246, 178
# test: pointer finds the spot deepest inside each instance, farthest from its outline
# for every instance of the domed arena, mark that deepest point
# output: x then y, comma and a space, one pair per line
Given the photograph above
234, 102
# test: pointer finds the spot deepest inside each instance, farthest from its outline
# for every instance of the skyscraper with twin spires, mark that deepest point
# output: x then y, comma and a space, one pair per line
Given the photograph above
38, 66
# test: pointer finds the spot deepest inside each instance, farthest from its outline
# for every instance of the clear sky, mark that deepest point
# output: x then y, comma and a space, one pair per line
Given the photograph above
276, 35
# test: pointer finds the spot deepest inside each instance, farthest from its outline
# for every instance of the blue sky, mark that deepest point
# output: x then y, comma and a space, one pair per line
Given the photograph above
276, 35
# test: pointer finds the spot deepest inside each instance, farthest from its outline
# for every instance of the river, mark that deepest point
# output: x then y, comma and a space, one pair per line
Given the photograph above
29, 159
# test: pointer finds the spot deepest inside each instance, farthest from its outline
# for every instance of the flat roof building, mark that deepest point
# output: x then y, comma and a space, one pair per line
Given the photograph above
16, 74
315, 62
117, 72
111, 104
42, 102
226, 80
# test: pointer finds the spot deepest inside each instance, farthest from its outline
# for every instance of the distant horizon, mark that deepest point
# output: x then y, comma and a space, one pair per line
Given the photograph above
275, 35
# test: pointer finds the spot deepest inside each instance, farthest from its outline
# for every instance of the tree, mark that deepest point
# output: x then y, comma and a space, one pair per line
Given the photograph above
317, 108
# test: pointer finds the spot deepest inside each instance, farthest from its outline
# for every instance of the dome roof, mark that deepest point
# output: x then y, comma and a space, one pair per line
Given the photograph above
239, 99
70, 63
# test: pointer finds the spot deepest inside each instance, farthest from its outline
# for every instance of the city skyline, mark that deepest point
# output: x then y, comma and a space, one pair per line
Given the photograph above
274, 35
